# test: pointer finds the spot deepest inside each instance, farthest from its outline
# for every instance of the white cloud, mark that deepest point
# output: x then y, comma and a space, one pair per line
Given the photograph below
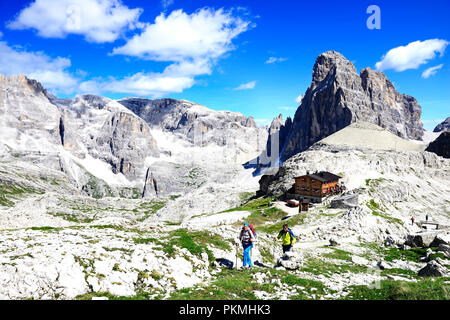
52, 73
189, 68
274, 59
175, 78
193, 42
205, 33
431, 71
246, 86
411, 56
98, 20
141, 84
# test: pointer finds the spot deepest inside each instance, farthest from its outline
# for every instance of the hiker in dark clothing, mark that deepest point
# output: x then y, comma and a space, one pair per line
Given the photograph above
426, 217
246, 237
287, 238
412, 221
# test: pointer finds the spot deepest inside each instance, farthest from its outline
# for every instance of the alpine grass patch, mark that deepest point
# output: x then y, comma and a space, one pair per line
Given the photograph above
425, 289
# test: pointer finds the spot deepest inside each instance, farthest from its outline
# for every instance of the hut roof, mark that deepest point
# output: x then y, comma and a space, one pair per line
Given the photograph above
323, 176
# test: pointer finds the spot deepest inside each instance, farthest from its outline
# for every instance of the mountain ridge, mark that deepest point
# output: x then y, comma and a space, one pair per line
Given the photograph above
91, 131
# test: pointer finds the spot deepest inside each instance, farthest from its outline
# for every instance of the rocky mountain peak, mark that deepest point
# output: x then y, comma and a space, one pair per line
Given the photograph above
330, 61
21, 81
92, 100
443, 126
339, 96
250, 122
276, 124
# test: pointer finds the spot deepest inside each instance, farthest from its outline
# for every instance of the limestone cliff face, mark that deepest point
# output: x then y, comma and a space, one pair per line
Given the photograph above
28, 120
107, 131
278, 131
339, 96
124, 142
398, 113
33, 120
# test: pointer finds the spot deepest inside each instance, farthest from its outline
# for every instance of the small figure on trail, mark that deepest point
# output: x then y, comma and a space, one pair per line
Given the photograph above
412, 220
426, 217
287, 238
247, 238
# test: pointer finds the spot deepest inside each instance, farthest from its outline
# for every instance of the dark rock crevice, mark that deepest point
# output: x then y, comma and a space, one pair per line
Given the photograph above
61, 130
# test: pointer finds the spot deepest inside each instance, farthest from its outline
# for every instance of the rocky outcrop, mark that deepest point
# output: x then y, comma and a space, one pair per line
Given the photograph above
440, 239
278, 133
290, 261
164, 178
445, 249
333, 242
434, 268
124, 142
150, 185
345, 202
443, 126
441, 146
338, 96
424, 239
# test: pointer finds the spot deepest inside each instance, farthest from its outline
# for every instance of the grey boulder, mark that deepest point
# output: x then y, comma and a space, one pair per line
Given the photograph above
290, 261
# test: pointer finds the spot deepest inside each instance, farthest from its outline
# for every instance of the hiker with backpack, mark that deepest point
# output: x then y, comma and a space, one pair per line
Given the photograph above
247, 238
287, 238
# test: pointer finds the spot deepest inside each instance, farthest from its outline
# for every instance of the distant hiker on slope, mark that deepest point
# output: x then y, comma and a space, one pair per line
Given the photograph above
247, 238
287, 238
412, 221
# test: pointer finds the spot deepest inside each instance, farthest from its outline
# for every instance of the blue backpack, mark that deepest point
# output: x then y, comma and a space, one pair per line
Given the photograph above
290, 232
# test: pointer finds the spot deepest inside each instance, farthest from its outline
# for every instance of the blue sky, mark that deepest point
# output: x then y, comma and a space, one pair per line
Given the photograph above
217, 53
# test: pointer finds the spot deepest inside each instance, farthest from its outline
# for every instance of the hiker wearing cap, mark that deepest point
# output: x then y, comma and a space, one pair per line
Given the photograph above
287, 238
246, 237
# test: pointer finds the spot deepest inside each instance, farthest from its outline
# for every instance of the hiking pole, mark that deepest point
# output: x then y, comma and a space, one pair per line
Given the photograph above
236, 255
